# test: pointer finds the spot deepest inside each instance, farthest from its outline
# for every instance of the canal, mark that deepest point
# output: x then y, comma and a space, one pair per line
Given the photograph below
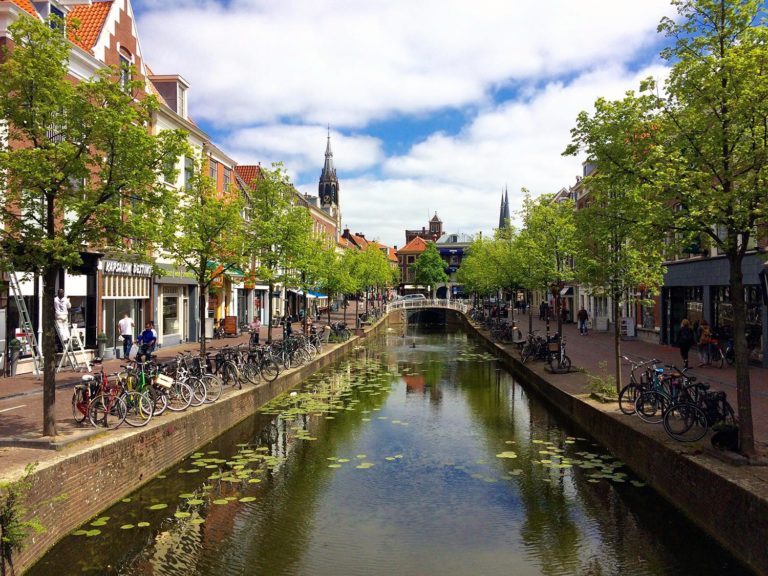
416, 455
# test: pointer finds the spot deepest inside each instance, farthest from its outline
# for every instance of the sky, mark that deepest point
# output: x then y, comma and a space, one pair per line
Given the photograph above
434, 106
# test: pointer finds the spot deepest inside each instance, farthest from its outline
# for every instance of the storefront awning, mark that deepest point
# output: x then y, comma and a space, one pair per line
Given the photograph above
567, 291
232, 271
313, 294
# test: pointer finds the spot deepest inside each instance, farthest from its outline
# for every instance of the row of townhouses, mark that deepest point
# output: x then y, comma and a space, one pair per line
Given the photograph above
107, 285
696, 287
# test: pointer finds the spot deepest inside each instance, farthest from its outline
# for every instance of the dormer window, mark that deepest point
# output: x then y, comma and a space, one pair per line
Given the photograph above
56, 19
181, 101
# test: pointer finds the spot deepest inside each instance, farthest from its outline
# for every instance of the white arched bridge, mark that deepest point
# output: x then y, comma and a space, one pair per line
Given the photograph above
434, 303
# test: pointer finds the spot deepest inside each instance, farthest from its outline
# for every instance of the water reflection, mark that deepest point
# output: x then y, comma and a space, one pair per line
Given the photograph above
417, 455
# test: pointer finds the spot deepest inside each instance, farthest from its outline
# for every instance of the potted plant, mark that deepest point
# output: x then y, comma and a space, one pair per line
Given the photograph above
14, 349
101, 343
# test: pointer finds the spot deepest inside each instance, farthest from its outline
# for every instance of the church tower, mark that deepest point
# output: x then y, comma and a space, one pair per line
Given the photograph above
328, 188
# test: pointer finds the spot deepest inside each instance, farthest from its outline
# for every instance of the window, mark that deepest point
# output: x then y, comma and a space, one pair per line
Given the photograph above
189, 167
214, 170
181, 101
227, 178
56, 19
125, 72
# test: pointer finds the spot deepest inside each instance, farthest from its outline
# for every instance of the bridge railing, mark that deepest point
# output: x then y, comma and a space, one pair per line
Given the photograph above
457, 305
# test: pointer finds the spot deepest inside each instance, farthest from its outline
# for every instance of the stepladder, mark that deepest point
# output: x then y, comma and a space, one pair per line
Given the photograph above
72, 347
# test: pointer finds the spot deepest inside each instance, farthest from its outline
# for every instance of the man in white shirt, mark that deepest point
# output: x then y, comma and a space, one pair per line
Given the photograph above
61, 306
125, 326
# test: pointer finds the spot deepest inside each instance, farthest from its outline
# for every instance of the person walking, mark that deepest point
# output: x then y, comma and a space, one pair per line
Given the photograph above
542, 310
255, 328
125, 327
582, 317
704, 342
685, 340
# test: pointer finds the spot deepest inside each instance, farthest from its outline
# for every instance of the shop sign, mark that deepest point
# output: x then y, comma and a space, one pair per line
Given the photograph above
127, 268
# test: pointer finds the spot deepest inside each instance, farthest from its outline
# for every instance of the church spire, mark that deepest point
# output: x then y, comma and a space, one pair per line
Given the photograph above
329, 172
504, 210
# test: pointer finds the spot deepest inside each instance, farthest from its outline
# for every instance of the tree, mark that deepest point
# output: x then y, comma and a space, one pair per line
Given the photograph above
78, 169
712, 155
550, 242
277, 233
429, 268
206, 236
621, 232
334, 279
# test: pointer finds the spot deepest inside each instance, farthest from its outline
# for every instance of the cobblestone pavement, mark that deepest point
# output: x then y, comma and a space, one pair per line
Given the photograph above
21, 396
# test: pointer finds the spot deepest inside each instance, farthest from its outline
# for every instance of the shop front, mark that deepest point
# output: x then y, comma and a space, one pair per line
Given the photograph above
175, 306
124, 288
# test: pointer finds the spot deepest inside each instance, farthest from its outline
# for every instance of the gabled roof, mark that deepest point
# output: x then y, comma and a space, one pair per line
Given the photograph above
249, 174
26, 5
455, 238
92, 18
415, 246
435, 218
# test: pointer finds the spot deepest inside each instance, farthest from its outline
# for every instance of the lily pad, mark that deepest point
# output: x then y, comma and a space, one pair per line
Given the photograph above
125, 500
142, 524
182, 515
254, 480
247, 499
197, 521
127, 527
334, 465
158, 507
186, 496
195, 502
507, 454
221, 502
79, 532
91, 533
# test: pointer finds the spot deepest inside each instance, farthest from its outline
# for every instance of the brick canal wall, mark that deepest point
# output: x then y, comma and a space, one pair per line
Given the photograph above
724, 500
103, 469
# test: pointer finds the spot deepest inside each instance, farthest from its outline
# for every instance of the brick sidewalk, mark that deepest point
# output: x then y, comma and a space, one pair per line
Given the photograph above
588, 352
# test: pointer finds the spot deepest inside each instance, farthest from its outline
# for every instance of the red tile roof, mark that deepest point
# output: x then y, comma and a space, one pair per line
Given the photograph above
26, 5
249, 174
415, 246
91, 20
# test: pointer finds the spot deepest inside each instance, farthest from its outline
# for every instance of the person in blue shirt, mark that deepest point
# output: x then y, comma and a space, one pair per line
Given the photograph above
146, 342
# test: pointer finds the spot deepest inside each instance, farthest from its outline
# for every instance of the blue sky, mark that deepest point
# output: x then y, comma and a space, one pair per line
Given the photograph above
434, 105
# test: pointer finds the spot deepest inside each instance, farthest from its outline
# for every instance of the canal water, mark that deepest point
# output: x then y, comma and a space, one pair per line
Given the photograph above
416, 455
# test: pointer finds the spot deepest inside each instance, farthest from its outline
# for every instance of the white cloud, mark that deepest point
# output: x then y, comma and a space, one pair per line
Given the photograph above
517, 144
350, 62
301, 148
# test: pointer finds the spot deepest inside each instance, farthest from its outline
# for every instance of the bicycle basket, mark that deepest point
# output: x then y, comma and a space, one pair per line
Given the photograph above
553, 346
163, 381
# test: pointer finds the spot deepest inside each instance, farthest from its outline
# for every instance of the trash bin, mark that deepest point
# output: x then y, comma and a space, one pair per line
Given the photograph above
209, 328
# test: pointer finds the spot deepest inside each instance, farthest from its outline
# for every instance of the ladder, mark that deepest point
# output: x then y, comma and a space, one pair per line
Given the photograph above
71, 347
26, 324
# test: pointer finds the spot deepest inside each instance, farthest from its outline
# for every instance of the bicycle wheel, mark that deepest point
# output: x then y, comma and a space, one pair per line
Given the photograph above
199, 391
250, 372
231, 375
685, 422
79, 405
718, 358
179, 396
107, 411
212, 388
269, 369
139, 408
525, 353
628, 397
650, 406
159, 400
565, 363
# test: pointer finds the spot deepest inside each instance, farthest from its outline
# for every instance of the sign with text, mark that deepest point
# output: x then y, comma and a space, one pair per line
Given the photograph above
127, 268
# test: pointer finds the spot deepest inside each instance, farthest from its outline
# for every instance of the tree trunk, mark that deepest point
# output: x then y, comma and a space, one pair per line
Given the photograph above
306, 312
201, 299
530, 313
617, 342
269, 316
743, 387
50, 275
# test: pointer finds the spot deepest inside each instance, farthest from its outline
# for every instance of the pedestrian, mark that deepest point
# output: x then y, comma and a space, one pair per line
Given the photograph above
125, 327
542, 310
704, 343
582, 317
255, 329
564, 314
146, 343
61, 306
288, 328
685, 340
